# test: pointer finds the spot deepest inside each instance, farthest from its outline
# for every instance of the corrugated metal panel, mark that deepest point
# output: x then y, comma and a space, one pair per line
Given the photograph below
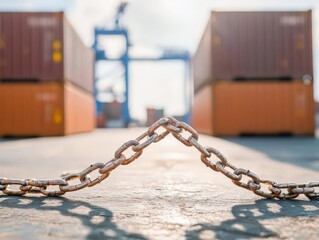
79, 110
31, 110
47, 109
255, 108
202, 111
43, 47
27, 46
202, 60
78, 59
255, 45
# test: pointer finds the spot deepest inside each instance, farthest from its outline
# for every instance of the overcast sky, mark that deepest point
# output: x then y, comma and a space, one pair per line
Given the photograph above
165, 23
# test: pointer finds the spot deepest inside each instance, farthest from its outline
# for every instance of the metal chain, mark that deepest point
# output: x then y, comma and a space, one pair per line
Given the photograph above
176, 128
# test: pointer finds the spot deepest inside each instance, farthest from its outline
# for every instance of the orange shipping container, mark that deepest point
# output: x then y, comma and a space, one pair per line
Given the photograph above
48, 109
235, 108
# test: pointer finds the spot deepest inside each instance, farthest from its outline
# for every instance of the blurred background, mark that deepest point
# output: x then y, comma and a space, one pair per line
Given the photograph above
228, 67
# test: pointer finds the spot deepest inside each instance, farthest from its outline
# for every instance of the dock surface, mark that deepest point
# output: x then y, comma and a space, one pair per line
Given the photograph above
168, 193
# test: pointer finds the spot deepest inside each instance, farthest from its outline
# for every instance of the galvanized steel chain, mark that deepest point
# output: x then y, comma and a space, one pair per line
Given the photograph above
176, 128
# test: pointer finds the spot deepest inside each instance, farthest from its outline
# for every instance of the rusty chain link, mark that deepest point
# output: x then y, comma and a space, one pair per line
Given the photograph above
176, 128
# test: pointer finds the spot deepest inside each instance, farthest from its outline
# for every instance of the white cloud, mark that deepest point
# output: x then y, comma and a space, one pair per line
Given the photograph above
85, 15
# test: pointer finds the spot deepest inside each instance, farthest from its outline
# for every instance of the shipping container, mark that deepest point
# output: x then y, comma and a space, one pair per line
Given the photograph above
101, 121
112, 110
153, 114
112, 114
254, 46
43, 47
45, 109
227, 108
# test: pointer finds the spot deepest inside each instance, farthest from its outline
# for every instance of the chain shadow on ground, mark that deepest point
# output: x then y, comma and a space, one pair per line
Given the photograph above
247, 221
245, 224
96, 219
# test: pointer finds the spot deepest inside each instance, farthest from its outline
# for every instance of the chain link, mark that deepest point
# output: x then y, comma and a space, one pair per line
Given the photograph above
176, 128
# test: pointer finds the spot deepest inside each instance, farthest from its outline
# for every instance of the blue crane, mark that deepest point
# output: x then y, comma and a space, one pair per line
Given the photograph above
168, 54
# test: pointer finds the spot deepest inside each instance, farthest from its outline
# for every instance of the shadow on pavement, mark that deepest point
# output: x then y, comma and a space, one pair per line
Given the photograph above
96, 219
300, 151
12, 139
247, 221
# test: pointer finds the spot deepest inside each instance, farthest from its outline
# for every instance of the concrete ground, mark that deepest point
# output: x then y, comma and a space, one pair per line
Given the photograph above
167, 193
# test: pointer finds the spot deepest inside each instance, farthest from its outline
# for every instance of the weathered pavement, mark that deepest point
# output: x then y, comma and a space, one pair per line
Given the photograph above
167, 193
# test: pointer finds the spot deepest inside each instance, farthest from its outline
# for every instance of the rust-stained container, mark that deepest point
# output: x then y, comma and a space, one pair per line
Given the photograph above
228, 108
254, 46
43, 47
47, 109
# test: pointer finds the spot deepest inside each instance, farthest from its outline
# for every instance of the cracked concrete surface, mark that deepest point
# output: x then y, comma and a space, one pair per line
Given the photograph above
165, 194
